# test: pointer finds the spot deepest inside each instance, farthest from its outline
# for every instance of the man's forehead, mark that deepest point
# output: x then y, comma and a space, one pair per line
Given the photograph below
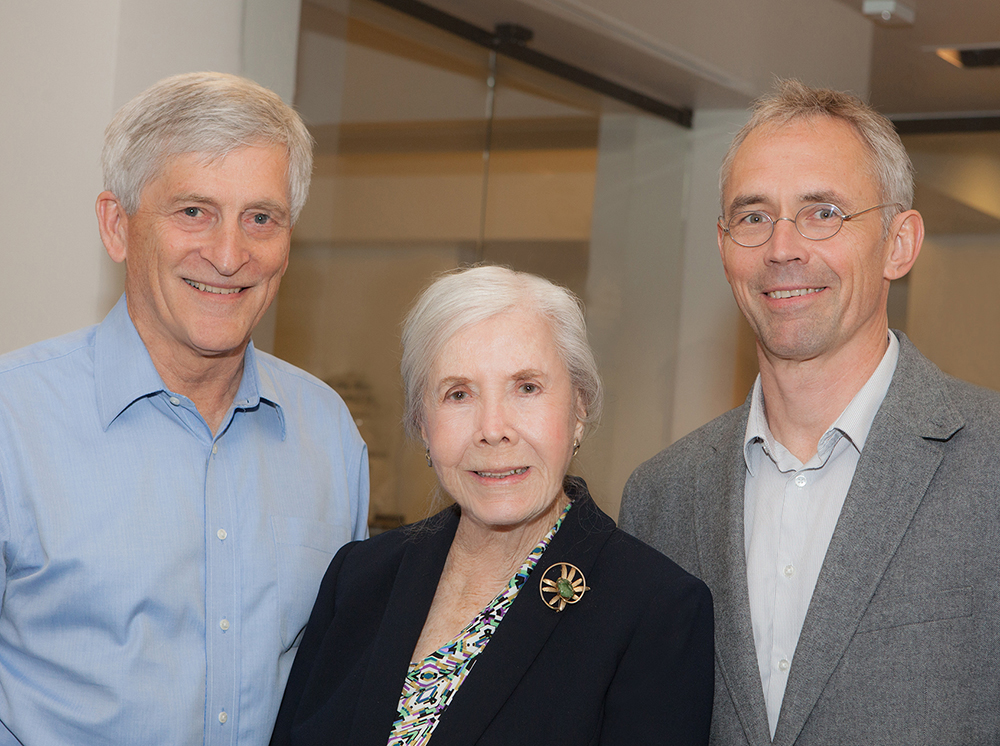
189, 171
811, 159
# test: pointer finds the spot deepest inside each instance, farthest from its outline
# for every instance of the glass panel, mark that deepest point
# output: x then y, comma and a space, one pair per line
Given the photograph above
418, 170
949, 305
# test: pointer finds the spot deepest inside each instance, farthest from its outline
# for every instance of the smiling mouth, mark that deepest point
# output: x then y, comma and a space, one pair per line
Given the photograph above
501, 474
212, 288
792, 293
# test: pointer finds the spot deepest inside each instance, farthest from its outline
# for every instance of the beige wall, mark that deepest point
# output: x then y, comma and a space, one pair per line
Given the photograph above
954, 307
663, 321
67, 67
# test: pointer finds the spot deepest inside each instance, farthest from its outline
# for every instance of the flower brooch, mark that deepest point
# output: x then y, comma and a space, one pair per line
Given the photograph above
562, 584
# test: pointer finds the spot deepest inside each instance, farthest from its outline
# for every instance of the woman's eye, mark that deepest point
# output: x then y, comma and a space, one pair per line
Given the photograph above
528, 388
456, 395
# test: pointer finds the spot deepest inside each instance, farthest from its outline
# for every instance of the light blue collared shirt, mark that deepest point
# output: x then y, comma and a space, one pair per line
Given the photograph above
156, 578
790, 512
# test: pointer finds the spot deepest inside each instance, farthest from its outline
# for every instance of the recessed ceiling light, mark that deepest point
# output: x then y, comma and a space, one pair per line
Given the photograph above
969, 55
889, 13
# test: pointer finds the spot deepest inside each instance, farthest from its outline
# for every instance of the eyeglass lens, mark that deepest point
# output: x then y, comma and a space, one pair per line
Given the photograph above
816, 222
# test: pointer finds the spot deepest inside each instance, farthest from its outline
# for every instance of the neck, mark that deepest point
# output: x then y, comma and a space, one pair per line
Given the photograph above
210, 383
803, 398
489, 556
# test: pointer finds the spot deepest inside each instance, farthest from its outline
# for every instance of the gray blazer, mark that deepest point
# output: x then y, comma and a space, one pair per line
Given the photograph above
901, 642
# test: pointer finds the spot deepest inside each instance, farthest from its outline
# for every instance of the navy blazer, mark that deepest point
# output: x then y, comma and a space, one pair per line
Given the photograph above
631, 663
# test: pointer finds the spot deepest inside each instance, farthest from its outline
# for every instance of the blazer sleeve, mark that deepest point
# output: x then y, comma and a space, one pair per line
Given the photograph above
312, 639
663, 689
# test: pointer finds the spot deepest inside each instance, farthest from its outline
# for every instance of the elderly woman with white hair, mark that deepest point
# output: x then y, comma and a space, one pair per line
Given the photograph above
520, 614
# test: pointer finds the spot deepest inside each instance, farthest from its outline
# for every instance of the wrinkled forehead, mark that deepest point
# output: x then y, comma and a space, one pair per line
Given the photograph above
809, 159
205, 160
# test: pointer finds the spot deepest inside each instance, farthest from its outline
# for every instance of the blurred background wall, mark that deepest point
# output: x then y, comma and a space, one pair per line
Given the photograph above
433, 152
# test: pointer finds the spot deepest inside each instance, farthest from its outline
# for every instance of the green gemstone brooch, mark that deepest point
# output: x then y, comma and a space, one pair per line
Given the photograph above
562, 584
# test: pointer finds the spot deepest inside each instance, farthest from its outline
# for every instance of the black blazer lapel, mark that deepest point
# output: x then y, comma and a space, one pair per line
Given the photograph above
719, 527
412, 593
526, 627
900, 457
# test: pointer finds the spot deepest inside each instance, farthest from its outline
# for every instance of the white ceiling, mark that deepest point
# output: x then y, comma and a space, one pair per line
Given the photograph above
907, 78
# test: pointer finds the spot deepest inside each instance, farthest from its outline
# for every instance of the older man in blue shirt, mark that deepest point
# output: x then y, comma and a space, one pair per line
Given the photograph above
170, 497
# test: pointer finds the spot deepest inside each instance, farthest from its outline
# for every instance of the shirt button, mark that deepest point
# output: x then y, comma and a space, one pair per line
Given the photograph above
783, 665
789, 571
221, 533
801, 480
174, 400
215, 448
223, 717
224, 624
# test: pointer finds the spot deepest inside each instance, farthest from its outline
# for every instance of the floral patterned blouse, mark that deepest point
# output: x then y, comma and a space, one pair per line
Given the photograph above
431, 683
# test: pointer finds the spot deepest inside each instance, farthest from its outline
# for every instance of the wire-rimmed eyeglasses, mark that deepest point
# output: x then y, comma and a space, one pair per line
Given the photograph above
817, 222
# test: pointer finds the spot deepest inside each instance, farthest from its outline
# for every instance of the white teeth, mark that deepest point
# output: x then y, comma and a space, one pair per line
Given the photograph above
211, 288
792, 293
501, 475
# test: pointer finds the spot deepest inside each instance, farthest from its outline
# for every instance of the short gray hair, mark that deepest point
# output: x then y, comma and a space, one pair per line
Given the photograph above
888, 162
207, 113
465, 297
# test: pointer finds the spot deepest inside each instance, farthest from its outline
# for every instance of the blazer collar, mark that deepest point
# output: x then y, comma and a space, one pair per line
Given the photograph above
904, 449
720, 481
527, 625
409, 603
902, 453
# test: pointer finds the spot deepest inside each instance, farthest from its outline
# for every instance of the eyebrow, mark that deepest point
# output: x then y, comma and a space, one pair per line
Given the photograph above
827, 196
452, 380
449, 381
192, 197
269, 206
527, 373
740, 202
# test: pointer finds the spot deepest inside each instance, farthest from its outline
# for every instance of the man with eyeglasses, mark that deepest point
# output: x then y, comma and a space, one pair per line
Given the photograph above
847, 516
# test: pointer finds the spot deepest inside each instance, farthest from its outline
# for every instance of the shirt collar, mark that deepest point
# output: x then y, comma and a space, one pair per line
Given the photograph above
124, 371
854, 422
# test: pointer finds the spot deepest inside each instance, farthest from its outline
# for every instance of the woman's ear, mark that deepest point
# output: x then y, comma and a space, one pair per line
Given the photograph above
581, 416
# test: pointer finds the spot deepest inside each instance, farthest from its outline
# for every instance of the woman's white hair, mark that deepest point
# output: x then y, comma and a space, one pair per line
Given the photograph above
464, 297
206, 113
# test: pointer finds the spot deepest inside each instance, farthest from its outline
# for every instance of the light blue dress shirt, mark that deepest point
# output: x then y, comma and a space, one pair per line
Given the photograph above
157, 578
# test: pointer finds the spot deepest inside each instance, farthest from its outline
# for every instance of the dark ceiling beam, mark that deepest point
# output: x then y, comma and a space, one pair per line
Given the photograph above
941, 125
517, 50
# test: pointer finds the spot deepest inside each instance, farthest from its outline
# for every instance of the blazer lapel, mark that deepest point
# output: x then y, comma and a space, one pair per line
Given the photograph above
900, 457
722, 556
522, 634
405, 614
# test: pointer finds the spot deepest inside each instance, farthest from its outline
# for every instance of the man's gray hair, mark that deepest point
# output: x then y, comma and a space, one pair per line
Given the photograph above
888, 162
206, 113
464, 297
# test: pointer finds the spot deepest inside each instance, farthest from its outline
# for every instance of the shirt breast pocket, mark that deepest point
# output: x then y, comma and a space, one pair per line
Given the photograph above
917, 609
304, 548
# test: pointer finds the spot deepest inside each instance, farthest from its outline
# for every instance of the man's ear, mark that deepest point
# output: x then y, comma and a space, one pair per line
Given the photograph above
907, 236
721, 237
112, 222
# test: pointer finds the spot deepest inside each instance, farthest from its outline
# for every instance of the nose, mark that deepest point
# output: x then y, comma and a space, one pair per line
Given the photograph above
786, 243
495, 423
228, 248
